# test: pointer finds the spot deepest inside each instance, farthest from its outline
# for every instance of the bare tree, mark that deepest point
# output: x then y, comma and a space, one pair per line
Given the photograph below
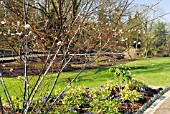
53, 32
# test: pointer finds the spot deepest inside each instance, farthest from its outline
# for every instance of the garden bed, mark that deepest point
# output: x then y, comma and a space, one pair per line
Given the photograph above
123, 106
113, 103
35, 66
123, 94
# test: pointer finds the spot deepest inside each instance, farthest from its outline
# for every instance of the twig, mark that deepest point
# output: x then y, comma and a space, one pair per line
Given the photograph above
7, 93
25, 9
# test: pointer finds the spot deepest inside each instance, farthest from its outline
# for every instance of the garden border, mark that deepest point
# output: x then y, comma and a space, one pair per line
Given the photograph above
152, 100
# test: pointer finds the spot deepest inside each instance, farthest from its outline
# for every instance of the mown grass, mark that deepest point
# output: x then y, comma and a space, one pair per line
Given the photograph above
89, 78
153, 71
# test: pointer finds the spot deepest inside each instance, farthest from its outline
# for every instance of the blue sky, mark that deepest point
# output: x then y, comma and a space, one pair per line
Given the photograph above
163, 7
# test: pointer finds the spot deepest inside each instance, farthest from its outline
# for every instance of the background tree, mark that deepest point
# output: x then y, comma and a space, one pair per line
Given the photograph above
161, 33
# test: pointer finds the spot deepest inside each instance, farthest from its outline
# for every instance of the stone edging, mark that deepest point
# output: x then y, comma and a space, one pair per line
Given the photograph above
152, 100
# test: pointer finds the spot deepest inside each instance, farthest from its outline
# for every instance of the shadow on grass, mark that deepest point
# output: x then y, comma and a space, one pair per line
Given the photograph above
152, 68
101, 69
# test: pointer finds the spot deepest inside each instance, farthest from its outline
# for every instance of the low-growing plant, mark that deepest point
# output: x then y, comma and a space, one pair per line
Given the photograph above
18, 102
136, 85
110, 85
99, 93
73, 99
105, 106
102, 102
96, 100
121, 75
104, 99
130, 95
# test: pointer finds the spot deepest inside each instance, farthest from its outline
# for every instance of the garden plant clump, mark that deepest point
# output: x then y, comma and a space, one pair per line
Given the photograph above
123, 94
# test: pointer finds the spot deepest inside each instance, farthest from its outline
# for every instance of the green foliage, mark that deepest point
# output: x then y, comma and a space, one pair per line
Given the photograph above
102, 103
106, 106
74, 97
17, 101
121, 75
94, 100
161, 33
111, 85
130, 95
136, 85
104, 99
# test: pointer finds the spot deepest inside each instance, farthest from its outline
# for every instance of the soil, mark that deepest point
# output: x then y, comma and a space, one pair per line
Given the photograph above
35, 66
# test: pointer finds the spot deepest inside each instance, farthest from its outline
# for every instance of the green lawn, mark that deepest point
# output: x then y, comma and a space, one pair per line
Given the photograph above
153, 71
89, 78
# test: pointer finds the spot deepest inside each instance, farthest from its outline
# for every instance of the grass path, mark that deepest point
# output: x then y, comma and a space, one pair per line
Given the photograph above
153, 71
